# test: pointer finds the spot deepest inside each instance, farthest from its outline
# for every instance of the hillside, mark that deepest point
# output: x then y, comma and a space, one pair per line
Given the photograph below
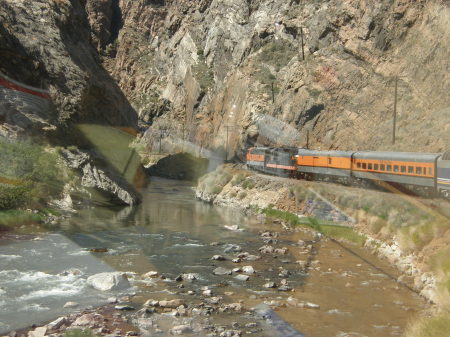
207, 64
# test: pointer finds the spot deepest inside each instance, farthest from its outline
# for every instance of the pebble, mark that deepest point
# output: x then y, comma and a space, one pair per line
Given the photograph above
242, 277
57, 323
236, 260
266, 250
248, 269
218, 258
270, 285
207, 292
281, 251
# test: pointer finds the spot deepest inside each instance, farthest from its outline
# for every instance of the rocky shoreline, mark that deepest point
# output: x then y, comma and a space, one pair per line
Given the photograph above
251, 193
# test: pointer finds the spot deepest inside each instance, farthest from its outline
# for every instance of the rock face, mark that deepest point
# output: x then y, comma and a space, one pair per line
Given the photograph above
108, 281
47, 44
112, 186
196, 67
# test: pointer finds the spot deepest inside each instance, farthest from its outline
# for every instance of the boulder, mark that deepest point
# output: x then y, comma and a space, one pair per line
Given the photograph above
108, 281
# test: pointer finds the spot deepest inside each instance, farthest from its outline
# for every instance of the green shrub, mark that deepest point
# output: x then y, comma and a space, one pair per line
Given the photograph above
29, 174
248, 184
242, 195
79, 333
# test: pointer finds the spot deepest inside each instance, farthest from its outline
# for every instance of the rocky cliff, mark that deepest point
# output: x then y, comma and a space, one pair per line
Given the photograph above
48, 44
207, 68
51, 44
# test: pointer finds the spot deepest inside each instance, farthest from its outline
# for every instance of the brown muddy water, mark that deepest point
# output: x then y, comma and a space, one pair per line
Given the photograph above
330, 289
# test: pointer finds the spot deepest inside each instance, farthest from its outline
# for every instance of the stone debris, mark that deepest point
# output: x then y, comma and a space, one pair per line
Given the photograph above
236, 260
218, 258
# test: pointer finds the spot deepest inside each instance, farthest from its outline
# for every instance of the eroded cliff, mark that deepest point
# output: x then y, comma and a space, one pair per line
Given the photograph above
205, 65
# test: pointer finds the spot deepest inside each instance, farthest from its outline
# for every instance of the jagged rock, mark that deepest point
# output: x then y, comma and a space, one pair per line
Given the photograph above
104, 180
108, 281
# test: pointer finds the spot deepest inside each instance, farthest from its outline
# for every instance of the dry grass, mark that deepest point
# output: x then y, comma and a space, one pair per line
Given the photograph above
437, 326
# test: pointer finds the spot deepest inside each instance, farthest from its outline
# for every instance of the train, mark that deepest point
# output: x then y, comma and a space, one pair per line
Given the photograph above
420, 173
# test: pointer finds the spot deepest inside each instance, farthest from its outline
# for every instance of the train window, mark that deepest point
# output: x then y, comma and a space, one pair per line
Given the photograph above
369, 166
403, 169
375, 167
430, 171
410, 169
395, 168
364, 166
382, 167
424, 171
418, 170
358, 165
389, 168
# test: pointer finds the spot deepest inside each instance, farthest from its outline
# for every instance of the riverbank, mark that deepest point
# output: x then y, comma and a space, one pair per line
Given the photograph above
412, 234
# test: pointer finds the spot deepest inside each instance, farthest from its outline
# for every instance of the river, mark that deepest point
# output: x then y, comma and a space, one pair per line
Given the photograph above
331, 289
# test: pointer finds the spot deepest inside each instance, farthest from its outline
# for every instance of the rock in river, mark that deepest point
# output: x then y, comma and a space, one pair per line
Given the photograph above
221, 271
108, 281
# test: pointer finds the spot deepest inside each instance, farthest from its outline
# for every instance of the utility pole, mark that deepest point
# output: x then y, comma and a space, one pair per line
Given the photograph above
273, 94
395, 110
307, 139
303, 44
226, 144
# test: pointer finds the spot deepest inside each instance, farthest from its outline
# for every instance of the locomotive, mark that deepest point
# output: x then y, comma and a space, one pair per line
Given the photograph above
422, 173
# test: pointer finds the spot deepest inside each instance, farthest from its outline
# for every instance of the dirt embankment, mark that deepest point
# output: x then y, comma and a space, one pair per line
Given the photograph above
409, 232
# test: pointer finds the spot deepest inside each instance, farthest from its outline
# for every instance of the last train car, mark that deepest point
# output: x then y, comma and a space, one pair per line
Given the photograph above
416, 171
443, 174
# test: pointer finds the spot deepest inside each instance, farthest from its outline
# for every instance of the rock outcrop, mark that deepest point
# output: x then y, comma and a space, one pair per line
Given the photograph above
204, 66
48, 44
111, 186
